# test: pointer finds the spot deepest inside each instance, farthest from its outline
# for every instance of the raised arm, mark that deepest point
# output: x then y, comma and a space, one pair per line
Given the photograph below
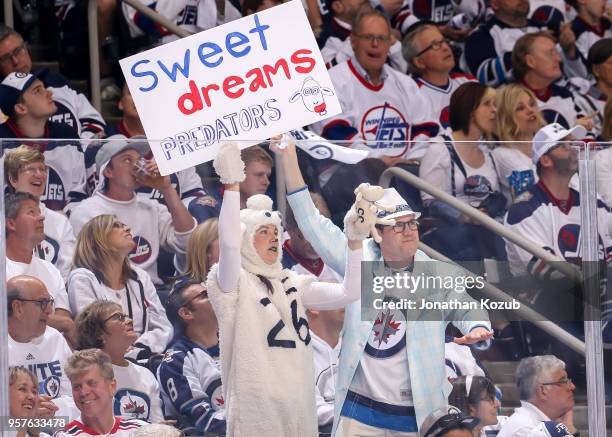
230, 168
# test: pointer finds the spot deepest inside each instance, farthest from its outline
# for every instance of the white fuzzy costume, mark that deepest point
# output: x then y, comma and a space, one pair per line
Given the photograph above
266, 356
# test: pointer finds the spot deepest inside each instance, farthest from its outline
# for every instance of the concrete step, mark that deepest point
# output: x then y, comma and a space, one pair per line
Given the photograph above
49, 65
501, 371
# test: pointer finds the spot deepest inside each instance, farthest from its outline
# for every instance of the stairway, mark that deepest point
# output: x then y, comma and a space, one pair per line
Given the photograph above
502, 374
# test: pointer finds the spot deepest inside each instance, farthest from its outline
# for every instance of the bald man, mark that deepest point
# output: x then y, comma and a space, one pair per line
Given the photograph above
37, 346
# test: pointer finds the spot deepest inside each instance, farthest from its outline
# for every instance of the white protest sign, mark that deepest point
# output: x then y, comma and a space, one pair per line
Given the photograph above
247, 80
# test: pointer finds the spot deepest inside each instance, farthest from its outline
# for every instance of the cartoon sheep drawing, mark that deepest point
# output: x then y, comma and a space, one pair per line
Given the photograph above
312, 96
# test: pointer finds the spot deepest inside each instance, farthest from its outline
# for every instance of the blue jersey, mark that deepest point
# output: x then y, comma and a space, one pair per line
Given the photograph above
190, 382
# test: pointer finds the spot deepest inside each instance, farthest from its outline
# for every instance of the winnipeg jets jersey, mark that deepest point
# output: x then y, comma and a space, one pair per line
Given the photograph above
587, 35
137, 395
65, 161
488, 52
46, 356
58, 245
554, 226
73, 108
438, 11
378, 118
439, 97
558, 106
191, 15
190, 380
122, 428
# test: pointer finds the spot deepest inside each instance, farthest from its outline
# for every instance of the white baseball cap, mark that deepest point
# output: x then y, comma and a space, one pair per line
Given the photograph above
550, 135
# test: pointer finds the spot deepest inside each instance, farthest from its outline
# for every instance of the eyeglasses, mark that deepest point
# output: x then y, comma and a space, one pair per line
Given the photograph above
371, 38
32, 169
564, 381
17, 52
202, 294
435, 45
399, 227
42, 303
120, 317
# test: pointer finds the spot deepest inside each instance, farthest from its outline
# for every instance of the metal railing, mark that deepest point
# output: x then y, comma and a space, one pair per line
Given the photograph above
94, 47
592, 347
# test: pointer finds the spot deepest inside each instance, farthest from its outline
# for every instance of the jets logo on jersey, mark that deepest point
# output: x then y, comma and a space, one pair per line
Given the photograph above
552, 116
55, 194
156, 194
381, 125
48, 250
388, 335
217, 400
570, 244
440, 13
142, 251
445, 118
131, 404
189, 16
50, 386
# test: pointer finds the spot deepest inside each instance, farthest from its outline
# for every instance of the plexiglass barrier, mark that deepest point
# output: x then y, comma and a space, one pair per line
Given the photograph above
510, 214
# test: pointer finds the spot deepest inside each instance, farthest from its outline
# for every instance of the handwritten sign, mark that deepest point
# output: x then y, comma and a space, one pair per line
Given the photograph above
247, 80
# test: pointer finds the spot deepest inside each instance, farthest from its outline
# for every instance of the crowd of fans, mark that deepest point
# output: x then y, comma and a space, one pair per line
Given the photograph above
141, 304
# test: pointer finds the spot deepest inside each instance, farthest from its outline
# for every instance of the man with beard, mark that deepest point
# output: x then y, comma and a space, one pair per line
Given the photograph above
548, 214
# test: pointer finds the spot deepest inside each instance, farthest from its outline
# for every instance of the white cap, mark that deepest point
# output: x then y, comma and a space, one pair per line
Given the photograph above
393, 199
550, 135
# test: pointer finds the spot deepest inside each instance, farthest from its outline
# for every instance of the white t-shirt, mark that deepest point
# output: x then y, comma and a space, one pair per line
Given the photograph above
150, 222
47, 273
137, 395
46, 356
515, 170
59, 242
436, 169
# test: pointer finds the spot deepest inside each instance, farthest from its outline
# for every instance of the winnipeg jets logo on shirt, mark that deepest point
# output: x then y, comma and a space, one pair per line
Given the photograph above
48, 249
50, 386
132, 404
142, 252
381, 125
388, 335
552, 116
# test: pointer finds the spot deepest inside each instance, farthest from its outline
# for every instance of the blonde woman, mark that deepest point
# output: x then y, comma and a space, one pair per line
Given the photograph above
518, 119
202, 250
102, 270
23, 399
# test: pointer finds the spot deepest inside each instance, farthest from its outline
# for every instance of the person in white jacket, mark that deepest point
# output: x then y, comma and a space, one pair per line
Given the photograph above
24, 400
104, 325
26, 171
104, 271
264, 337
